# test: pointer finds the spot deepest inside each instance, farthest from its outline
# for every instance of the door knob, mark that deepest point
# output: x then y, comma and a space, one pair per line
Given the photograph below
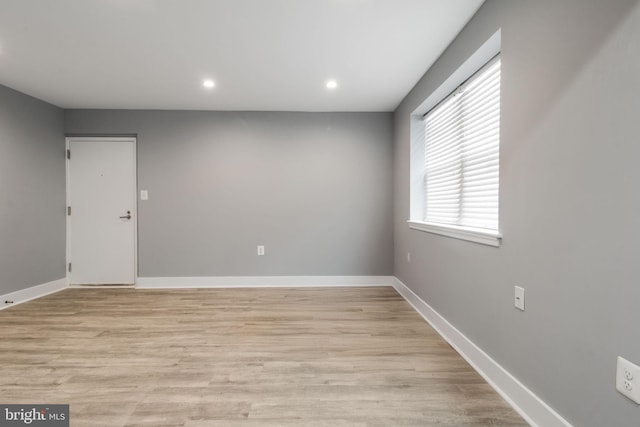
127, 216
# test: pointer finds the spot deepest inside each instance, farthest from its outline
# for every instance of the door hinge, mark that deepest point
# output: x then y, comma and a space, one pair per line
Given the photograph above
69, 267
69, 210
68, 154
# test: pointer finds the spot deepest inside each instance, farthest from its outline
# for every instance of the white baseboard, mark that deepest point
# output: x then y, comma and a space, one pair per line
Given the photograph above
261, 281
535, 411
28, 294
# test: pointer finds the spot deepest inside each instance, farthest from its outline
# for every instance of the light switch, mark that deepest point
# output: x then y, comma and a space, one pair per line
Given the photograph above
144, 195
519, 298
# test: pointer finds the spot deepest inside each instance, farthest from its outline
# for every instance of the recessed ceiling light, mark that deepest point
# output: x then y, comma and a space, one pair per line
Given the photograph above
332, 84
208, 84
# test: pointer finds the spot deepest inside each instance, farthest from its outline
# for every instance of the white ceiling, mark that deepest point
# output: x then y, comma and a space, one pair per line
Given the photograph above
262, 54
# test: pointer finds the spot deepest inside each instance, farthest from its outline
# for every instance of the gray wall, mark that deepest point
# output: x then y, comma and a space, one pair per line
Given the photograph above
569, 209
32, 192
314, 188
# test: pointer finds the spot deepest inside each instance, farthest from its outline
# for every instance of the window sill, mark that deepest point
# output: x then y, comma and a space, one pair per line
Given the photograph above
462, 233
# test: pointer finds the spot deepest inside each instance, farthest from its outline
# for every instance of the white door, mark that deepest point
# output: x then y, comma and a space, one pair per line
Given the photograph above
101, 226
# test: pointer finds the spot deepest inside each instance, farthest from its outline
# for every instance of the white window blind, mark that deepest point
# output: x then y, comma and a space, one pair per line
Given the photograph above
462, 146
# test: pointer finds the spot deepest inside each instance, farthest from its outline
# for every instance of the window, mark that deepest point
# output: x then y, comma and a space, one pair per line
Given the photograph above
460, 174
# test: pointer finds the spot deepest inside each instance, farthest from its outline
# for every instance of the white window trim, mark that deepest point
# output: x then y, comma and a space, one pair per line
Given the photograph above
488, 50
485, 237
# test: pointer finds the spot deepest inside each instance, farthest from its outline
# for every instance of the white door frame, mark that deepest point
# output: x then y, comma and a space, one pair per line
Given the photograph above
131, 139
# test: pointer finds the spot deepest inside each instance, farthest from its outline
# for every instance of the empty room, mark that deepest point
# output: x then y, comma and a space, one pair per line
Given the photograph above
319, 213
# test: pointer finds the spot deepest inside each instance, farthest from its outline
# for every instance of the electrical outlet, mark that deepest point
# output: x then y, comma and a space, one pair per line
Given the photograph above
519, 298
260, 250
408, 256
628, 379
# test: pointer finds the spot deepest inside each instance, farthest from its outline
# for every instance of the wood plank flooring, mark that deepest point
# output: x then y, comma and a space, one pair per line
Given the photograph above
240, 357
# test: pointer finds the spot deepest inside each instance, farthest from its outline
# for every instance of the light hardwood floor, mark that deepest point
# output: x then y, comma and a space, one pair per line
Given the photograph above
240, 357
